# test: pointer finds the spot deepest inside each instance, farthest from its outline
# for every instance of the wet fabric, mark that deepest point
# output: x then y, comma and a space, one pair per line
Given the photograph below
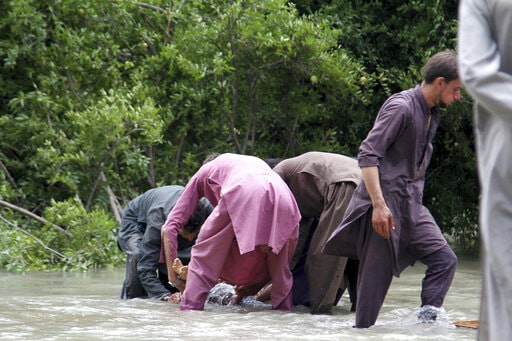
322, 184
252, 205
400, 145
300, 289
485, 62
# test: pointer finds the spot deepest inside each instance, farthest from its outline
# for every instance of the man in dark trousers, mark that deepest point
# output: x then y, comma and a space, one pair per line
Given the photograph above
140, 238
386, 225
322, 184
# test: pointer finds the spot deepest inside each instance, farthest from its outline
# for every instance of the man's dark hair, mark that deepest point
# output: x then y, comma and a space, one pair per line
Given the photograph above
442, 64
273, 162
203, 210
210, 157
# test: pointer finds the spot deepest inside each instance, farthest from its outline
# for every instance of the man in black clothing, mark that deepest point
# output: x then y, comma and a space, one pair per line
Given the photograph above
140, 238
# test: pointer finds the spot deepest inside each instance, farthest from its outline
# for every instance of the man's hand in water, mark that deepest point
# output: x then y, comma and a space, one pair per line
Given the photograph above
175, 298
247, 290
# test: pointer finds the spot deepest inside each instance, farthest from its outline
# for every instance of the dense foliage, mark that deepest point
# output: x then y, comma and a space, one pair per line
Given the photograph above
102, 100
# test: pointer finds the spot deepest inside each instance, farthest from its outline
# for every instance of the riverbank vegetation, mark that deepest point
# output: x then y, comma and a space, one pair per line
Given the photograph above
102, 100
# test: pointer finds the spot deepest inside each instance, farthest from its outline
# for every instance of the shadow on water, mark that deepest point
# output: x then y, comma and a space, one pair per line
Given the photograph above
85, 306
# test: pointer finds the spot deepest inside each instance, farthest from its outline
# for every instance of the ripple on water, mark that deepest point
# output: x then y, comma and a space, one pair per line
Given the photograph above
86, 307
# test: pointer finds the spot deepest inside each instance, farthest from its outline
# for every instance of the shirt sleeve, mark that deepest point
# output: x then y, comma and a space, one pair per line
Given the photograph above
391, 120
150, 254
182, 211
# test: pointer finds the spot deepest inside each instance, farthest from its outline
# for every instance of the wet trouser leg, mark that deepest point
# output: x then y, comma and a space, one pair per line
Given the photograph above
350, 274
208, 257
325, 272
494, 151
374, 278
281, 276
132, 287
438, 276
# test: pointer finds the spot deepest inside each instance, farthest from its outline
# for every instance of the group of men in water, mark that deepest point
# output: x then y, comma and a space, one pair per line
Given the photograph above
302, 230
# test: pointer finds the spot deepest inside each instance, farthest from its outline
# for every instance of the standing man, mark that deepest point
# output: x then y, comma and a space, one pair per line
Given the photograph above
386, 225
485, 60
248, 239
139, 237
322, 184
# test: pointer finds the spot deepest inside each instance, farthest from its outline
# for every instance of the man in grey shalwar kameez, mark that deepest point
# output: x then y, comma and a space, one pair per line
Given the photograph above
485, 62
386, 225
322, 184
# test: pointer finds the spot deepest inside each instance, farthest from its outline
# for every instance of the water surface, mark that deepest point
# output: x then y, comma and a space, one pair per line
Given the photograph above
85, 306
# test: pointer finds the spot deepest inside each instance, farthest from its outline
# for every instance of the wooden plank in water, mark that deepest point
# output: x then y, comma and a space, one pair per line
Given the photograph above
473, 324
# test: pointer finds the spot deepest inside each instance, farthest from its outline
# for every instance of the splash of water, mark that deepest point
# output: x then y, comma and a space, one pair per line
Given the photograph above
223, 294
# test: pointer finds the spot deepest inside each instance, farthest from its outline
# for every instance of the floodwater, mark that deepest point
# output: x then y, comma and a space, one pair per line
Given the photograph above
85, 306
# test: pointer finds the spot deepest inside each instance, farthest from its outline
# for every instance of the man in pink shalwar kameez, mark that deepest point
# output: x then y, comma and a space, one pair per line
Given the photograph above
248, 239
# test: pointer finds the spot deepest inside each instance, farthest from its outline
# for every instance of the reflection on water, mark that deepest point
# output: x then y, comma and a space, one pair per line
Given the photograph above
63, 306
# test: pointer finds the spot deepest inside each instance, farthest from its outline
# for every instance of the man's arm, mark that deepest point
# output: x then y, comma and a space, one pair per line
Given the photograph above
382, 218
169, 260
146, 268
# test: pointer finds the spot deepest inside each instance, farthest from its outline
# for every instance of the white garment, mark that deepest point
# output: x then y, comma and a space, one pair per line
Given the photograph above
485, 62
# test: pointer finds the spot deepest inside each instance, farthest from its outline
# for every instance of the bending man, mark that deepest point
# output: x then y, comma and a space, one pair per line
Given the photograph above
140, 238
322, 184
248, 239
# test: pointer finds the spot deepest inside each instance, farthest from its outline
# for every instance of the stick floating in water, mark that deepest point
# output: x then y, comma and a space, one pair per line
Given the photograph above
473, 324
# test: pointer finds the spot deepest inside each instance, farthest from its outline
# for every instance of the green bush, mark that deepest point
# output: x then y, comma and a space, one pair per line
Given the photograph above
121, 96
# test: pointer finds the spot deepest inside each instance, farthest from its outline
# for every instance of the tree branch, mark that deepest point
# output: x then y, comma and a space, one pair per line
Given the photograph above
34, 237
8, 175
154, 8
33, 216
114, 203
94, 187
151, 167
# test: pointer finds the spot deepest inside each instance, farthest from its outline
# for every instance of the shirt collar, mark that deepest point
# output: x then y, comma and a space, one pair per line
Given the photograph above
423, 102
